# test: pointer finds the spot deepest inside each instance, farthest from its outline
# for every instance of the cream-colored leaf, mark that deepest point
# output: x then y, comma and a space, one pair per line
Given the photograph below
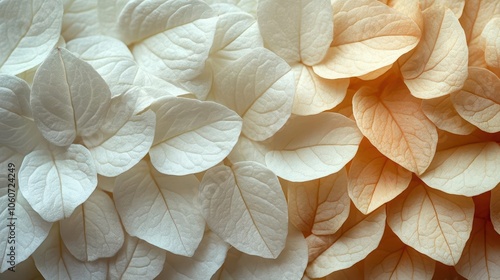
438, 65
434, 223
368, 35
495, 208
374, 179
410, 8
314, 94
321, 206
298, 31
260, 88
476, 14
248, 150
444, 115
468, 170
359, 236
80, 19
325, 144
160, 209
481, 256
94, 229
491, 35
456, 6
393, 121
395, 260
245, 206
478, 101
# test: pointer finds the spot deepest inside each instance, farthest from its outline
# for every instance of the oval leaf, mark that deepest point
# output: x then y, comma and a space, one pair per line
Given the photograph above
374, 179
393, 121
69, 98
443, 114
478, 101
57, 180
467, 170
368, 35
321, 206
94, 229
259, 87
159, 208
33, 28
491, 35
438, 65
192, 136
432, 222
325, 144
245, 206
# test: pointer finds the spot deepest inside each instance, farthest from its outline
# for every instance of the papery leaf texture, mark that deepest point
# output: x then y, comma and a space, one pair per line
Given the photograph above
368, 35
245, 206
56, 180
320, 206
160, 209
54, 261
393, 121
137, 259
395, 260
249, 150
298, 31
69, 98
191, 135
438, 64
468, 170
478, 101
491, 36
94, 230
443, 114
434, 223
359, 236
481, 256
260, 88
205, 262
326, 143
80, 19
31, 29
290, 264
456, 6
374, 179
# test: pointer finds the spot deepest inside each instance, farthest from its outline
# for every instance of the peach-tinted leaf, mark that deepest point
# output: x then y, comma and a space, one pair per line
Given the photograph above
476, 14
456, 6
359, 236
481, 256
374, 179
325, 144
410, 8
467, 170
394, 123
245, 206
478, 101
297, 30
438, 65
444, 115
491, 35
395, 260
434, 223
290, 264
320, 206
368, 35
314, 94
495, 208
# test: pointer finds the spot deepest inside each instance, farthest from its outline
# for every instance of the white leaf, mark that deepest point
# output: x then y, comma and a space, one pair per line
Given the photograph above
80, 19
245, 206
123, 140
290, 264
137, 259
297, 30
19, 132
57, 180
54, 261
325, 144
31, 29
248, 150
207, 259
260, 88
160, 209
94, 229
69, 98
192, 136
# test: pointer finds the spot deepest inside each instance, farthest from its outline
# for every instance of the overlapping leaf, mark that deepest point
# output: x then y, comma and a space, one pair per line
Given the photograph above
444, 115
491, 36
80, 19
